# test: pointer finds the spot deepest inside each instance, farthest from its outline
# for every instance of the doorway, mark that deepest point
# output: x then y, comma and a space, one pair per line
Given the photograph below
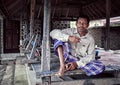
11, 36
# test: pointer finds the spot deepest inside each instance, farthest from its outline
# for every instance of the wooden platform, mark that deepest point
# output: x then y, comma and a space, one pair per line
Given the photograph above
109, 69
103, 81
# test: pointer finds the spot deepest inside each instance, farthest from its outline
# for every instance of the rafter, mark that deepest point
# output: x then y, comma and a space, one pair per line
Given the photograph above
92, 12
98, 12
15, 4
67, 13
15, 11
54, 8
3, 8
39, 12
89, 13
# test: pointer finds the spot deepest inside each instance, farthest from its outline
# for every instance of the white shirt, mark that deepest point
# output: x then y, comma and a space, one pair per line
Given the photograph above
84, 49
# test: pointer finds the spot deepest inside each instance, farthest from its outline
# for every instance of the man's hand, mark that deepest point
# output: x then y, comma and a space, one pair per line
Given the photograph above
71, 66
74, 39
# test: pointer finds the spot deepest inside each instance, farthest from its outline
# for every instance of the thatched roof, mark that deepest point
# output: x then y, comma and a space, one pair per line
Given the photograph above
62, 9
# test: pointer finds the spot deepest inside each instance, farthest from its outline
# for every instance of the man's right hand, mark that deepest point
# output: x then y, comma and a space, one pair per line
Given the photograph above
74, 39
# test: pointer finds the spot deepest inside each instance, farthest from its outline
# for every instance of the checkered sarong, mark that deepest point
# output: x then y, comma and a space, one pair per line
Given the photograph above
92, 68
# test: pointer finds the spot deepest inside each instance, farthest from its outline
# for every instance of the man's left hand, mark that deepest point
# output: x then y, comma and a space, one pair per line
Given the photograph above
71, 66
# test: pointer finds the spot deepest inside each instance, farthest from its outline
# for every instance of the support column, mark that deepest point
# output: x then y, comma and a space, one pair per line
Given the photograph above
107, 30
32, 12
45, 60
1, 35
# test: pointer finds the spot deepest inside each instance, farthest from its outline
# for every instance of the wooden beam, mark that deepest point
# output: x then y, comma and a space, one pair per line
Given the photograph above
45, 59
67, 13
1, 13
45, 43
62, 6
107, 30
54, 9
97, 11
11, 6
15, 11
99, 6
9, 2
87, 11
32, 13
91, 11
39, 12
3, 9
115, 8
92, 81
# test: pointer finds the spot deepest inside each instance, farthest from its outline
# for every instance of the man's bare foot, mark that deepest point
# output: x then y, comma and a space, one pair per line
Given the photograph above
61, 71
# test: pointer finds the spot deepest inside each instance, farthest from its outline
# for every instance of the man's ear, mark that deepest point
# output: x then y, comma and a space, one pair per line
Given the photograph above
88, 25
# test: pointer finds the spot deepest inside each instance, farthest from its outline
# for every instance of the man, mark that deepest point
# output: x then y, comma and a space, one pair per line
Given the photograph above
81, 47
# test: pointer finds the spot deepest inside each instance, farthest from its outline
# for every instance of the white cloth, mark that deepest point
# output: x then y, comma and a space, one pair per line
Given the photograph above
83, 49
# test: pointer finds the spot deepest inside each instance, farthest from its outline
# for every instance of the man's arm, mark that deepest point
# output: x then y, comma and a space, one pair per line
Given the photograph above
64, 35
59, 34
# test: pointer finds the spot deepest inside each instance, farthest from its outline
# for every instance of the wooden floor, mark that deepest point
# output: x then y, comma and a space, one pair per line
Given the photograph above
13, 72
20, 77
21, 74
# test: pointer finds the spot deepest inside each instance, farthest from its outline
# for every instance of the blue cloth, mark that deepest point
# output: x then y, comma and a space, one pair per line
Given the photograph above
92, 68
66, 51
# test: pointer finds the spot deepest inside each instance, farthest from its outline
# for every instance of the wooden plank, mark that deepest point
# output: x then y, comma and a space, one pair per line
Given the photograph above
30, 76
66, 78
108, 69
34, 47
39, 11
29, 43
20, 75
30, 61
37, 69
8, 78
52, 73
2, 71
106, 81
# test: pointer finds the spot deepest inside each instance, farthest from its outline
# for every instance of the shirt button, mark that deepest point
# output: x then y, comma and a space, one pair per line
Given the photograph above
83, 45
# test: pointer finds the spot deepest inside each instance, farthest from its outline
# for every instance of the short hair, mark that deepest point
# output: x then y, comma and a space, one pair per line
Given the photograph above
84, 16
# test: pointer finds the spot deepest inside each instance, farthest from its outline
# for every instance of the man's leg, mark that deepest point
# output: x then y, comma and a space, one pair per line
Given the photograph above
61, 59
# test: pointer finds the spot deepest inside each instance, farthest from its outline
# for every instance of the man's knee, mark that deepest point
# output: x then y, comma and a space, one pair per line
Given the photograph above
60, 47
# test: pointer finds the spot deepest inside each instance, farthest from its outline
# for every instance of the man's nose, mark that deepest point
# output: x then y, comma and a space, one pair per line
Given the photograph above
81, 25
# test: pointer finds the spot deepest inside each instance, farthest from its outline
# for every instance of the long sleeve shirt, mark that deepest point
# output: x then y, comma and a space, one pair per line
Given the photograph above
83, 49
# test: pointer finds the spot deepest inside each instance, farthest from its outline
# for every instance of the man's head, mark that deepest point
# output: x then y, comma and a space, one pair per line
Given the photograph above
82, 23
84, 16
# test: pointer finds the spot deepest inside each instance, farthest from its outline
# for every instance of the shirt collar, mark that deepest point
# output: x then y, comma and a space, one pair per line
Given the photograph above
86, 36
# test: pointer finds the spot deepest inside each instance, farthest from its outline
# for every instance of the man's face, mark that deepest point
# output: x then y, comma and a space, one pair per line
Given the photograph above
81, 24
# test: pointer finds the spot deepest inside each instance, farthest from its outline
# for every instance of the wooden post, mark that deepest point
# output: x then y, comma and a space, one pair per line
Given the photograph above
32, 11
107, 35
45, 59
